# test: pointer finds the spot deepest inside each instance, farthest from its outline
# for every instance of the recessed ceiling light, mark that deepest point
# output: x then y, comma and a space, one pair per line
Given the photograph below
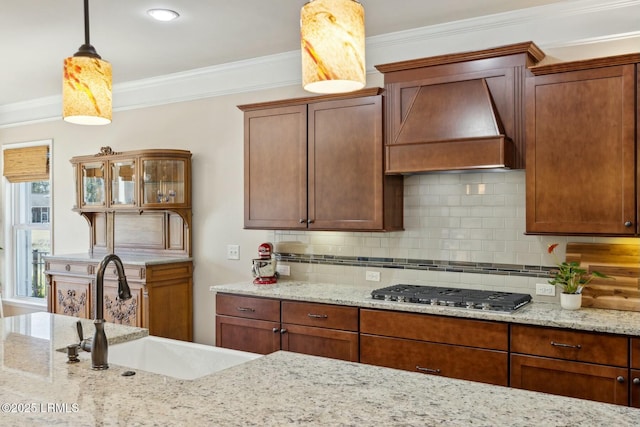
163, 14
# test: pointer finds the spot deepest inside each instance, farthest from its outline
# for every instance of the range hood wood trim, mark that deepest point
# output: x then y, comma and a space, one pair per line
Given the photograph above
533, 52
461, 154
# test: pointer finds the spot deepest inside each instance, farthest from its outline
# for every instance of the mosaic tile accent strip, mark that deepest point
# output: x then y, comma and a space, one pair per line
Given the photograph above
420, 264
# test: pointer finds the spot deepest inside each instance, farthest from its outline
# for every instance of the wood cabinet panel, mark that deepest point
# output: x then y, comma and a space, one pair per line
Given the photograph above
635, 388
635, 353
488, 366
324, 342
123, 312
70, 296
255, 336
248, 307
574, 379
570, 345
581, 134
320, 315
449, 330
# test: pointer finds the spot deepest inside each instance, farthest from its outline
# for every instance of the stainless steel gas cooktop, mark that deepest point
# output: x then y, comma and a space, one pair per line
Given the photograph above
453, 297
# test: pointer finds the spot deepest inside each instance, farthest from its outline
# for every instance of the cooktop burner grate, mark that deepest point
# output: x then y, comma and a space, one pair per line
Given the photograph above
453, 297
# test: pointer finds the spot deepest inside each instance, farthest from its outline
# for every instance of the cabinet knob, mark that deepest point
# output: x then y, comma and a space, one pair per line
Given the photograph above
628, 224
620, 379
636, 381
276, 330
67, 267
283, 331
302, 220
309, 221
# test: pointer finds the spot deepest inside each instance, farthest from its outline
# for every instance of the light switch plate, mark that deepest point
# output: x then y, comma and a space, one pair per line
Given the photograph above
372, 276
545, 289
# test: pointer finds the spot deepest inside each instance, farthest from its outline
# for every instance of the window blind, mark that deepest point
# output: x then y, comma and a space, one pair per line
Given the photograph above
26, 164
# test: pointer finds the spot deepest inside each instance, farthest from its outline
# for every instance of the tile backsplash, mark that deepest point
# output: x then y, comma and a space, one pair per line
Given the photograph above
461, 230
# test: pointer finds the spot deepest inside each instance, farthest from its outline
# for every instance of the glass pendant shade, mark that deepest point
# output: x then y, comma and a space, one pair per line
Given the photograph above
86, 91
332, 43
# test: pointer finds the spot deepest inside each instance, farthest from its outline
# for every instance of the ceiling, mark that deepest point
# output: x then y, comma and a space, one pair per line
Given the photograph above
37, 35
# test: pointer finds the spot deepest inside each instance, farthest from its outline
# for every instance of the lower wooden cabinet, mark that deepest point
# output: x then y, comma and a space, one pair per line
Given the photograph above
585, 365
456, 348
263, 325
635, 373
162, 294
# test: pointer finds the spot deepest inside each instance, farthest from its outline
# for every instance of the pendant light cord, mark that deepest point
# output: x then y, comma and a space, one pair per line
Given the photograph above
86, 49
86, 22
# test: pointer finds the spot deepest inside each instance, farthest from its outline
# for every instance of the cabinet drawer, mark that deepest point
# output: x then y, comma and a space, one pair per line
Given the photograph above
570, 345
635, 353
323, 342
248, 307
441, 329
487, 366
68, 267
321, 315
133, 272
574, 379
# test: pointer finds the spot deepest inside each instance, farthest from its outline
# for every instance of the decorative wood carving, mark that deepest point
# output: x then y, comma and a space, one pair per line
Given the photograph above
70, 303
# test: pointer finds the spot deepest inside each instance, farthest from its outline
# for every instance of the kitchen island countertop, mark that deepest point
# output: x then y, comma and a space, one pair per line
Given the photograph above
535, 313
38, 387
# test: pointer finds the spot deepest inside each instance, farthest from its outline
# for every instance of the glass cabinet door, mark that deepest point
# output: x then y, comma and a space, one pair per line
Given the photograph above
123, 183
163, 181
93, 185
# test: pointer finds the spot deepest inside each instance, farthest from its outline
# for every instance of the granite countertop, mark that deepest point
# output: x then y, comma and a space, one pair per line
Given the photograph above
38, 387
535, 313
126, 258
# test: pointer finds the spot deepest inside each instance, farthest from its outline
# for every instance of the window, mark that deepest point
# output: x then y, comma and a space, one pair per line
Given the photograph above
28, 229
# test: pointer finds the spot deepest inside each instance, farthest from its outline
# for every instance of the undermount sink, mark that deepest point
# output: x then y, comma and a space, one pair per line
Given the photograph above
174, 358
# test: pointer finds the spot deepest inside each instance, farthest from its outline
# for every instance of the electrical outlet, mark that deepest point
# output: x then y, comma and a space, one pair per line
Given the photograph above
283, 270
233, 251
545, 289
372, 276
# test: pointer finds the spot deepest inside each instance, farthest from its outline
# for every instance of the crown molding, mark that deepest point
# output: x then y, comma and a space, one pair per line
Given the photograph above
556, 25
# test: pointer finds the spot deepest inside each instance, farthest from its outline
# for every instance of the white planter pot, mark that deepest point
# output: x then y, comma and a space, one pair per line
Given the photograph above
570, 301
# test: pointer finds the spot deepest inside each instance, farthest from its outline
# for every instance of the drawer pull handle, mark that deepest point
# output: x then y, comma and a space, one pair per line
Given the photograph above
620, 379
559, 344
636, 381
245, 309
427, 370
317, 316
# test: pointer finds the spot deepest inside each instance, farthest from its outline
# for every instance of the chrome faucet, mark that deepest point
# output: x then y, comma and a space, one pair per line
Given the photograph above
99, 347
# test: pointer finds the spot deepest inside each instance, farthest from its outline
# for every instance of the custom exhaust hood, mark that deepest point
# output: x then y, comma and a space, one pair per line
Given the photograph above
457, 112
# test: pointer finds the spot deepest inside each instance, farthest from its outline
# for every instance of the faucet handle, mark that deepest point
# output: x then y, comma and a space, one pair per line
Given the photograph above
84, 344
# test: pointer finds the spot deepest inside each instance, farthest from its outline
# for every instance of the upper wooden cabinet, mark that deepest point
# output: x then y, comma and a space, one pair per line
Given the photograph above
133, 179
318, 163
460, 111
581, 147
135, 201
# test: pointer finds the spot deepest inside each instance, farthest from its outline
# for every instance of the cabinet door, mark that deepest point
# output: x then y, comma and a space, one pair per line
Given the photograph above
346, 164
635, 388
275, 168
487, 366
320, 342
71, 296
255, 336
580, 175
93, 192
165, 182
574, 379
123, 178
123, 312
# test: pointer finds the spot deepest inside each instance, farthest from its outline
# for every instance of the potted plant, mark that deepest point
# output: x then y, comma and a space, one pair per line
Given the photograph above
572, 278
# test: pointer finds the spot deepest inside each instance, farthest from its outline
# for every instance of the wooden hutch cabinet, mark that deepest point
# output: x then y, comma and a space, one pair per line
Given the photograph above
138, 206
317, 163
581, 147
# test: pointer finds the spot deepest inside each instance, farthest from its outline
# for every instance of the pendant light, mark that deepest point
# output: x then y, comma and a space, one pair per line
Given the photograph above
86, 84
332, 44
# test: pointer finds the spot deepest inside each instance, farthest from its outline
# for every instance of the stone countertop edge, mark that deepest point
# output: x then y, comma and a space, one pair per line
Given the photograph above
126, 259
278, 389
534, 313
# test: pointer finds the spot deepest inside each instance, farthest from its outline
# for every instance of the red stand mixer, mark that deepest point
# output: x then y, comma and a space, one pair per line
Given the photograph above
264, 267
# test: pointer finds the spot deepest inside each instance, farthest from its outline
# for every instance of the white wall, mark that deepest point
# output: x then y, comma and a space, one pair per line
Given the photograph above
211, 127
